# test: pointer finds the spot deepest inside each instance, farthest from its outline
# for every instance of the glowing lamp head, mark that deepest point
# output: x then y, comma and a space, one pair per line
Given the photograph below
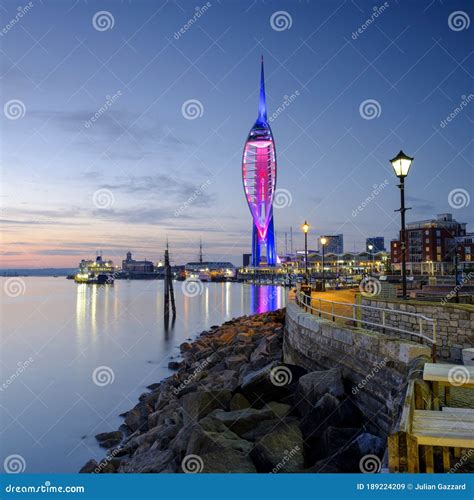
370, 247
324, 240
305, 227
401, 164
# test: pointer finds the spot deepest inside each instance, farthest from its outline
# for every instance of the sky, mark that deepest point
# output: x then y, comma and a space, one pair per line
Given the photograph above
124, 122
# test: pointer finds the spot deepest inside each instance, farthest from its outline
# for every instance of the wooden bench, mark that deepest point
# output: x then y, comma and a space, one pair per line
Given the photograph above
447, 376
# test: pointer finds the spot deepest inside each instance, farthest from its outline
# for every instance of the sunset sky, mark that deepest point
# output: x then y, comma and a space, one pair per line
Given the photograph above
142, 171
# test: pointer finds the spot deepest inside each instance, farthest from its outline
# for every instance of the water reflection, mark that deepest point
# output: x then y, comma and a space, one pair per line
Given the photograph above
266, 298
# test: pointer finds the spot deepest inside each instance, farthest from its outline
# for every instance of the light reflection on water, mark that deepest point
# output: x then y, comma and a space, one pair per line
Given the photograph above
52, 410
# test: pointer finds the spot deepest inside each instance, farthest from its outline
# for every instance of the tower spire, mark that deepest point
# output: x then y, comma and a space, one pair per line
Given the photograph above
262, 106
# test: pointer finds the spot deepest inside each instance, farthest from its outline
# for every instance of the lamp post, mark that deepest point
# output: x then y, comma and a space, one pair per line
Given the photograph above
305, 228
371, 257
401, 165
323, 242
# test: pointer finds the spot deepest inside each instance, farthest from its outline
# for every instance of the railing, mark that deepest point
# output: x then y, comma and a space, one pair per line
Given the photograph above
425, 327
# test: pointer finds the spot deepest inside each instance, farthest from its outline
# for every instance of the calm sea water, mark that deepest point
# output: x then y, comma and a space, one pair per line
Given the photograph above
73, 357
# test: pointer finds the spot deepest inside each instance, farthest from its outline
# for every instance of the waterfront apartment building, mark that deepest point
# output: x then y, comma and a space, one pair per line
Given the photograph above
430, 245
378, 243
334, 243
465, 250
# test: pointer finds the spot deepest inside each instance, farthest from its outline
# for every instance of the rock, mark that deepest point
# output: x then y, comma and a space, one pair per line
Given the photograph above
109, 439
328, 411
185, 346
225, 379
137, 418
151, 461
196, 405
266, 427
238, 402
226, 461
89, 467
280, 410
332, 440
234, 362
323, 467
204, 441
241, 421
351, 457
280, 451
312, 387
175, 365
270, 383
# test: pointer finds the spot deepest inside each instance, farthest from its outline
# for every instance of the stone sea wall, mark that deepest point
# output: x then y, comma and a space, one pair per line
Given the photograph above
375, 367
455, 323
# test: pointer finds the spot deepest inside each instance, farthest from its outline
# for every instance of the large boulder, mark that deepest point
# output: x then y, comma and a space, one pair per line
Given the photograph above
196, 405
270, 383
330, 441
206, 441
109, 439
227, 460
329, 411
137, 418
242, 421
281, 450
151, 461
312, 387
238, 402
362, 454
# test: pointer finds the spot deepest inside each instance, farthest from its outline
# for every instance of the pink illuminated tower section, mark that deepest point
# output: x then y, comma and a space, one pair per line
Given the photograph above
259, 178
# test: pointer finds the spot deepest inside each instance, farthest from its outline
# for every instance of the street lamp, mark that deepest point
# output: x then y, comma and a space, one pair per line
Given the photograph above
305, 228
323, 242
371, 257
401, 165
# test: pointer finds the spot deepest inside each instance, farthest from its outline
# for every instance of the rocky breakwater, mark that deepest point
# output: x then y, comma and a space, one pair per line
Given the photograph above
234, 406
